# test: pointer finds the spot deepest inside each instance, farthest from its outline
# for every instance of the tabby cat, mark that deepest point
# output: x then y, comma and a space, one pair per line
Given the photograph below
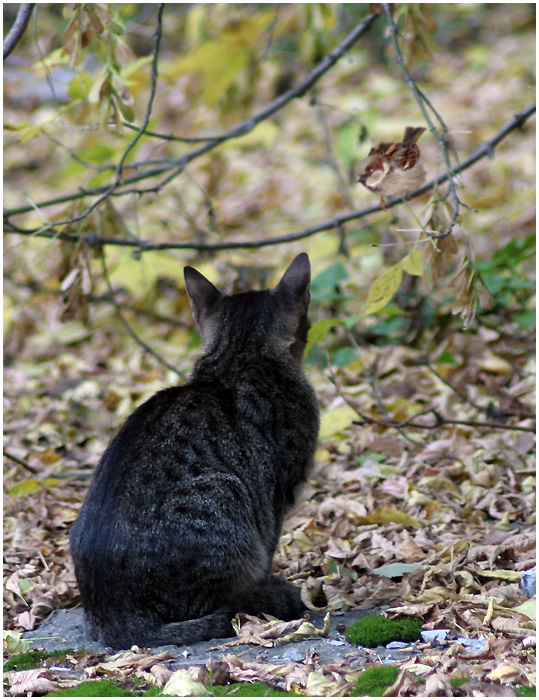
185, 509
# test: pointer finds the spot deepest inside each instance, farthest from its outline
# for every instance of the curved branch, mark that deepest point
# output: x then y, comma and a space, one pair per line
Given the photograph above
18, 28
443, 141
126, 323
179, 164
109, 189
483, 150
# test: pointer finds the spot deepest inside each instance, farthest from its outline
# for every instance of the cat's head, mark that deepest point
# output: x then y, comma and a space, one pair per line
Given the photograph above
269, 321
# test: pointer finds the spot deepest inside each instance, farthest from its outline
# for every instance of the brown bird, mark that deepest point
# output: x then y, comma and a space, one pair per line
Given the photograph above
392, 168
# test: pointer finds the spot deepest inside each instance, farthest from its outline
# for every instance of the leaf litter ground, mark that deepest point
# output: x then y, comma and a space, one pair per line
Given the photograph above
438, 529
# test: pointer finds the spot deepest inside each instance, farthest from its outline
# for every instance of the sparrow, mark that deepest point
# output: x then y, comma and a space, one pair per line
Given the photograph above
392, 168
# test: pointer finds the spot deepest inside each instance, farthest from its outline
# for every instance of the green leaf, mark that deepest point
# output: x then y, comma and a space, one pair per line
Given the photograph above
79, 86
24, 488
264, 134
446, 358
98, 153
28, 486
382, 289
14, 643
319, 330
413, 263
329, 278
395, 570
344, 356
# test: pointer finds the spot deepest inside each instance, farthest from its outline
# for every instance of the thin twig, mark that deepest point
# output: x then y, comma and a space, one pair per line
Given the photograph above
490, 410
179, 164
443, 141
126, 324
153, 89
21, 462
118, 177
441, 421
18, 28
486, 149
101, 299
370, 379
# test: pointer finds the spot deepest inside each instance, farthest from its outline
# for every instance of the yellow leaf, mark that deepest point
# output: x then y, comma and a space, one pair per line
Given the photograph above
504, 674
51, 481
505, 574
389, 515
413, 263
138, 275
437, 594
264, 134
307, 629
221, 74
303, 541
382, 289
438, 484
336, 420
30, 132
322, 455
181, 684
529, 608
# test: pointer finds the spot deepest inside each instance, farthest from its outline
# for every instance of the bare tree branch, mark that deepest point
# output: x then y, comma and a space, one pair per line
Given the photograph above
485, 149
126, 323
18, 28
179, 164
443, 141
118, 176
439, 422
21, 462
101, 299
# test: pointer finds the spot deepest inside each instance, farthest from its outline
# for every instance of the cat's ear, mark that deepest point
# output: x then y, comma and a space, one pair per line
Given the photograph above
296, 280
203, 296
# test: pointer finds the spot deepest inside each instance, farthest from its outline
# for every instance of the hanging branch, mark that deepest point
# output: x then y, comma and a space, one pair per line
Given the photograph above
18, 28
101, 299
118, 177
126, 323
179, 164
443, 141
486, 149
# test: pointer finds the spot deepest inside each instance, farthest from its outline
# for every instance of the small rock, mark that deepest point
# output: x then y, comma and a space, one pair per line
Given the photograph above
474, 645
528, 582
434, 635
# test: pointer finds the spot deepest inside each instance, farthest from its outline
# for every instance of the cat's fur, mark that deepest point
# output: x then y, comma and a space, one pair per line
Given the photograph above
179, 528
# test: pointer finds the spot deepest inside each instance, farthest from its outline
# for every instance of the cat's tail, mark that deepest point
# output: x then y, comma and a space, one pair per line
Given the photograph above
214, 625
149, 633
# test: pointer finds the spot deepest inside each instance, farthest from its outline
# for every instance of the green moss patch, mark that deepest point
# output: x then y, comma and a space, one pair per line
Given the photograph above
107, 689
92, 689
377, 630
526, 691
247, 690
374, 681
32, 659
